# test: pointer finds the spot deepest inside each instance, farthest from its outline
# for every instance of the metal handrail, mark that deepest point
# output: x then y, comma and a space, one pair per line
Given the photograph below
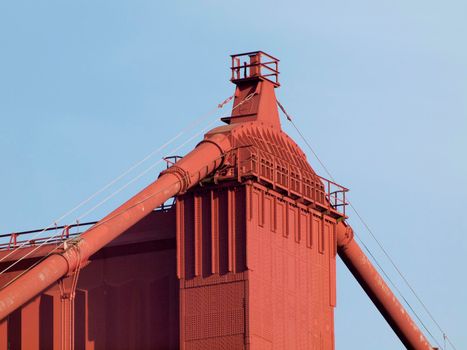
48, 229
270, 64
13, 242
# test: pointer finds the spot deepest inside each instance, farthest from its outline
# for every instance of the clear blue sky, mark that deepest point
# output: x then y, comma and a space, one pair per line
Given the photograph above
89, 87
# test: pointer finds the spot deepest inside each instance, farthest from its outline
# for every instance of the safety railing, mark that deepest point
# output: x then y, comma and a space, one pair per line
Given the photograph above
30, 238
296, 181
171, 160
255, 64
61, 233
335, 195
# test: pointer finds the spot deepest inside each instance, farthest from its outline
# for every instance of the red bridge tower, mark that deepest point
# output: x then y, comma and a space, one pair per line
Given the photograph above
245, 259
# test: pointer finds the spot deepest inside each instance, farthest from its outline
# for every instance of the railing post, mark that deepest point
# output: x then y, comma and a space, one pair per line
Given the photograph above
13, 240
65, 232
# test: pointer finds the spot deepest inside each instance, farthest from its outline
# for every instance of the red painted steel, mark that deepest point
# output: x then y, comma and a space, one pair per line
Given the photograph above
126, 298
378, 291
257, 232
199, 163
255, 64
58, 236
271, 257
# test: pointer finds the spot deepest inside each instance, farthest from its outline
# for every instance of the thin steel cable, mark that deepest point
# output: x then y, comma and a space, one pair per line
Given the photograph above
145, 172
196, 122
174, 150
98, 224
449, 341
399, 271
151, 195
59, 245
131, 181
289, 118
375, 261
324, 167
108, 197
